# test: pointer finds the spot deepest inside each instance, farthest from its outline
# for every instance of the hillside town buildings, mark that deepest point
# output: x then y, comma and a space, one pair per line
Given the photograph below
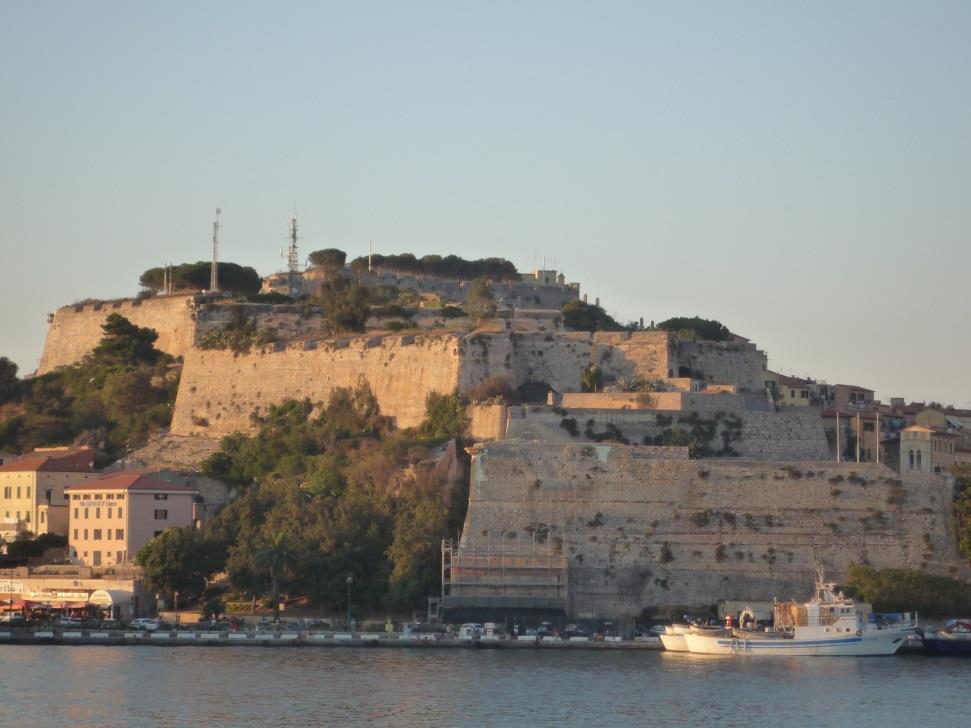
32, 489
113, 517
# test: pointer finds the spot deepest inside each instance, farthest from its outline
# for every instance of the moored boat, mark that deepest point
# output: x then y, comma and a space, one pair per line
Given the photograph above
828, 624
952, 639
673, 637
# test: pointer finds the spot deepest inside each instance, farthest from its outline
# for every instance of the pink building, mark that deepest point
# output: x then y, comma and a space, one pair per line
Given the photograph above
113, 517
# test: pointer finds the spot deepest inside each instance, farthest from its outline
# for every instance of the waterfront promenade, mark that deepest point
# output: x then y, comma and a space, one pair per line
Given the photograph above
300, 638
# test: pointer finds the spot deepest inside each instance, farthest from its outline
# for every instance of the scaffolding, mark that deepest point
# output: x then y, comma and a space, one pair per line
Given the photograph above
499, 575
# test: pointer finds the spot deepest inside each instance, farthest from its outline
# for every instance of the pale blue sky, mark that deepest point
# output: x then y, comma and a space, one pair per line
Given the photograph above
800, 171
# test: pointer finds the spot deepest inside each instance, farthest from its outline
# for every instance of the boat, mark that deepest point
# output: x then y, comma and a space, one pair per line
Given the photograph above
952, 639
828, 624
673, 637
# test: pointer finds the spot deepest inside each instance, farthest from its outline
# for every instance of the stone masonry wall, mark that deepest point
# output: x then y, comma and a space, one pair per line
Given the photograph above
724, 362
645, 529
792, 434
76, 330
219, 390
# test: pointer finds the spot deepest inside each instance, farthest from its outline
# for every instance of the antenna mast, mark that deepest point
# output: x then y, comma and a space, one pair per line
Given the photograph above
293, 259
214, 272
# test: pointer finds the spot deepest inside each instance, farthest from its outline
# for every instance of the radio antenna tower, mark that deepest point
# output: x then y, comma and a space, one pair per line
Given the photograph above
214, 272
293, 258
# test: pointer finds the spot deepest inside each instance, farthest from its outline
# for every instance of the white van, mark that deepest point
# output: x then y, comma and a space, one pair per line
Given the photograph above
470, 631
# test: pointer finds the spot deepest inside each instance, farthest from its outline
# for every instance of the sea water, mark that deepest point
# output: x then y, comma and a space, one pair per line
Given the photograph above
228, 686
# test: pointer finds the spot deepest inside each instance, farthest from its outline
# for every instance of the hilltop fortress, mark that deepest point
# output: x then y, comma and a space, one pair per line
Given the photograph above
581, 502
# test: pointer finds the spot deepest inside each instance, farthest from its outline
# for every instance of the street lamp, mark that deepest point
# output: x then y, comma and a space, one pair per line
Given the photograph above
350, 580
176, 607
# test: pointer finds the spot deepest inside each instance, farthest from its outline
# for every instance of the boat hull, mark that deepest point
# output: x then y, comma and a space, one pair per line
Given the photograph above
880, 642
674, 642
950, 647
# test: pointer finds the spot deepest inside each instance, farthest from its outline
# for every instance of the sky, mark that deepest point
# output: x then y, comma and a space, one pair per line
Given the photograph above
800, 171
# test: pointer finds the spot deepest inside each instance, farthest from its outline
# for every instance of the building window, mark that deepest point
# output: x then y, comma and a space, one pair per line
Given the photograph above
85, 534
919, 467
6, 492
120, 557
97, 534
43, 516
157, 534
97, 558
18, 491
75, 534
911, 459
161, 514
85, 513
28, 491
26, 516
161, 496
119, 534
119, 513
97, 513
109, 513
121, 496
75, 513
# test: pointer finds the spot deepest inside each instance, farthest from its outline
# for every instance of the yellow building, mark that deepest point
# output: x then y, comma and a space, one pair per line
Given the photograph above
113, 517
32, 487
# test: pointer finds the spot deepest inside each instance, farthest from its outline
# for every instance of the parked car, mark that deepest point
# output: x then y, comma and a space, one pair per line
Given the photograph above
146, 623
470, 631
12, 618
72, 622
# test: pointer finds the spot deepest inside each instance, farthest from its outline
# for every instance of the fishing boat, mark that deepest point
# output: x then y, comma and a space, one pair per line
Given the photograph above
828, 624
954, 638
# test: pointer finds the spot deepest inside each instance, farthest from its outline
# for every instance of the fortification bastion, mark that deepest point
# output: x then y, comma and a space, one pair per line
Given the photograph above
643, 526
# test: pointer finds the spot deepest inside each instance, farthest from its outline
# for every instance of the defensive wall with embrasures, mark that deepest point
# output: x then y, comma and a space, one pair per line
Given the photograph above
641, 527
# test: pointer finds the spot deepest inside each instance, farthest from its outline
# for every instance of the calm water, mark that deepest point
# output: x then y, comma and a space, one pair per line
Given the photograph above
189, 686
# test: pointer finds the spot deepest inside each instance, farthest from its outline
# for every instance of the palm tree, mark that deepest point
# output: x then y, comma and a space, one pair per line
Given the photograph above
275, 557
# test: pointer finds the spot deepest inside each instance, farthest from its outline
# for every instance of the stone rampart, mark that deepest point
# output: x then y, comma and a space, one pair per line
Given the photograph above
730, 362
219, 390
642, 528
74, 331
792, 434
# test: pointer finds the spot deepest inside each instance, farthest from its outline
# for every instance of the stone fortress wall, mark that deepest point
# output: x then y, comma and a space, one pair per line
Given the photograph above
647, 527
73, 331
219, 390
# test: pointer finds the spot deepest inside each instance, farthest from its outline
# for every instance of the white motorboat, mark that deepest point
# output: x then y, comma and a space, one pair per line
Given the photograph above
673, 637
828, 624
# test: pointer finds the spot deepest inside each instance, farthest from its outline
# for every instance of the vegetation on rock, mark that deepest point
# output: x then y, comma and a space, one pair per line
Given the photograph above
116, 397
696, 328
329, 258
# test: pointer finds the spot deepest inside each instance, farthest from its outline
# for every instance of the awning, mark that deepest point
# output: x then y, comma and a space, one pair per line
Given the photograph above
109, 598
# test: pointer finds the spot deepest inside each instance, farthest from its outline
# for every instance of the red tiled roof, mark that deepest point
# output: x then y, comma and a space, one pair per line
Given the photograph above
52, 461
794, 381
130, 480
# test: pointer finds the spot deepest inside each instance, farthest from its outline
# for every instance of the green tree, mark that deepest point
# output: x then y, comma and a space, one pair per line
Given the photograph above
480, 303
697, 328
908, 590
962, 506
329, 258
125, 343
591, 379
581, 316
9, 384
233, 278
275, 557
346, 305
180, 560
445, 416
